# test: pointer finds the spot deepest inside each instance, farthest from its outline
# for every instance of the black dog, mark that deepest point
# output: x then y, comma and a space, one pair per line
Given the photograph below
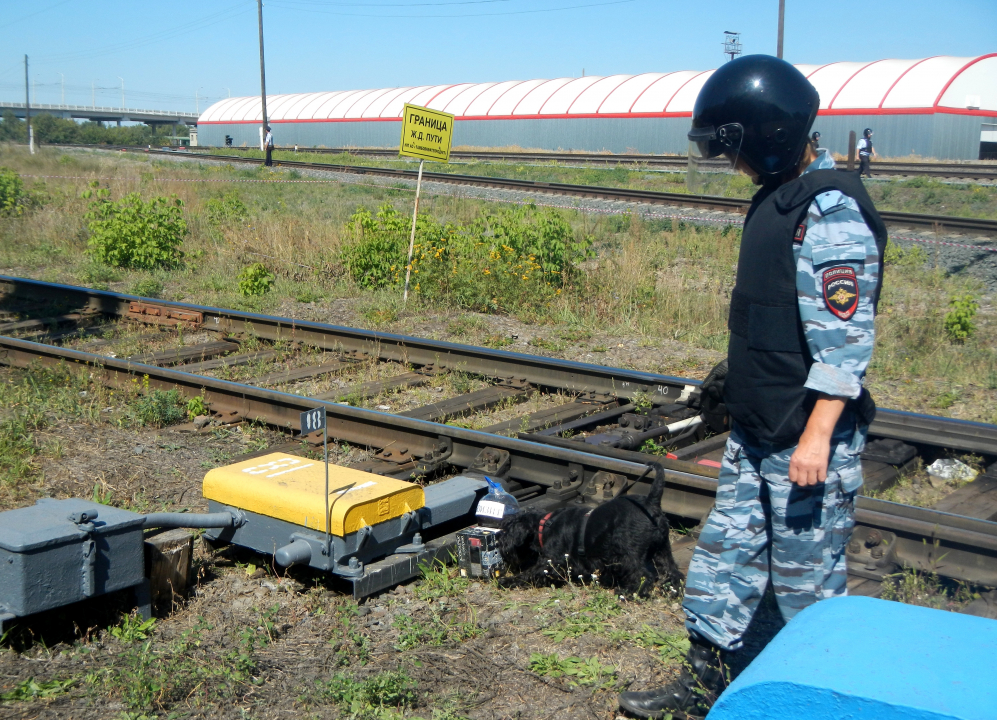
623, 542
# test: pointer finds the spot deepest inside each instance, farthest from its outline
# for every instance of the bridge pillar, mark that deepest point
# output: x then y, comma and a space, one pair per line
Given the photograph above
867, 659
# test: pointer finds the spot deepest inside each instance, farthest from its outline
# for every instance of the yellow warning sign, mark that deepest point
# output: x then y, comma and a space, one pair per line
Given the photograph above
426, 134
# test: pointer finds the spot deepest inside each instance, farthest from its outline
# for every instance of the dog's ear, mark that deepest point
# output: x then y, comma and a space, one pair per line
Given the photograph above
515, 542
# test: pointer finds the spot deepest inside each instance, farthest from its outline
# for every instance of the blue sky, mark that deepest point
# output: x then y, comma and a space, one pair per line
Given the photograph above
169, 53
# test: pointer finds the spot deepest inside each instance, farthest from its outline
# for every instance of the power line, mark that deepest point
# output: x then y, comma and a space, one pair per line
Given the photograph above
31, 15
207, 21
281, 3
381, 5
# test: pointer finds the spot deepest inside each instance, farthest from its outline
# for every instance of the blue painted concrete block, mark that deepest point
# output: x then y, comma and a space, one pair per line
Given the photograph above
858, 658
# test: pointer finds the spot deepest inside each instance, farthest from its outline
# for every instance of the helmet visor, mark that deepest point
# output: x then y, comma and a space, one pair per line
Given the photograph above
713, 154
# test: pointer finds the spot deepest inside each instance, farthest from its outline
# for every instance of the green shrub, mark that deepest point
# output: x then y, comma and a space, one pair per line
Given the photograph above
11, 193
133, 233
196, 406
147, 287
540, 234
95, 272
160, 408
226, 209
376, 255
255, 280
959, 320
512, 260
909, 257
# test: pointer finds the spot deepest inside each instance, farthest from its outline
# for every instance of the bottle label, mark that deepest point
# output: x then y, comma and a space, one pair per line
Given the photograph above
490, 508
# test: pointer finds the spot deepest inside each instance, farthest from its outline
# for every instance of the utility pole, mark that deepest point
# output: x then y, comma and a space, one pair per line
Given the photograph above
782, 21
197, 103
263, 76
63, 83
27, 109
93, 94
122, 92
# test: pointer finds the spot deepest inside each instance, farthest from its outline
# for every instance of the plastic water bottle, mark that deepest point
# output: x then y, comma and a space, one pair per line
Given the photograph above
497, 505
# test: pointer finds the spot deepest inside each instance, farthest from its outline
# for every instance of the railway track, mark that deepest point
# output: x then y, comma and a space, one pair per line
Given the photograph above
969, 170
556, 431
937, 223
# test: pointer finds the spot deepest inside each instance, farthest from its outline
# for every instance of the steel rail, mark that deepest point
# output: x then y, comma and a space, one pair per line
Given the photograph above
600, 381
710, 202
971, 169
951, 545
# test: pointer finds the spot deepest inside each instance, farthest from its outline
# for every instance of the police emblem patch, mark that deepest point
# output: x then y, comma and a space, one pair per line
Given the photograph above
841, 291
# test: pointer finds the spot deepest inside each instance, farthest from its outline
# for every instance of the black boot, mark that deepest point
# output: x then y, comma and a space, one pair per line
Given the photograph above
697, 688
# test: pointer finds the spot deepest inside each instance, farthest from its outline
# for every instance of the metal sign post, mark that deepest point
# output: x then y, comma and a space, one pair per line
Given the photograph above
411, 239
312, 420
427, 135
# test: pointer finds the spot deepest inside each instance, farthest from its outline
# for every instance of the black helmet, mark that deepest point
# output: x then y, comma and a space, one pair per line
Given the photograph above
815, 136
867, 132
758, 108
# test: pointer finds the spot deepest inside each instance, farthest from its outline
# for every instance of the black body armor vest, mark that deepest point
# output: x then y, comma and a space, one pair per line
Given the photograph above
768, 354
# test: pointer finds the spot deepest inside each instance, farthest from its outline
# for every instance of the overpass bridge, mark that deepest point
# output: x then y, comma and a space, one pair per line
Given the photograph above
105, 114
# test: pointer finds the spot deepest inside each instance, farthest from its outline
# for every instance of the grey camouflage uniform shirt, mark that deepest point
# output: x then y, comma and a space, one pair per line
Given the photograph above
836, 236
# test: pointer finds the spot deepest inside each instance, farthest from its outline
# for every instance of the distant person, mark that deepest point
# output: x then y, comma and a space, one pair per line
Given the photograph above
228, 141
866, 153
815, 139
268, 147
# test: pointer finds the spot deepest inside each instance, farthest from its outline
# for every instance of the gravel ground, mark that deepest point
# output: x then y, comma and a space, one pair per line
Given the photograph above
979, 263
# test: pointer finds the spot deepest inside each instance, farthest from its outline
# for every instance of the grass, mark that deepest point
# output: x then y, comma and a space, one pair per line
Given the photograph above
915, 587
658, 280
587, 673
917, 195
31, 690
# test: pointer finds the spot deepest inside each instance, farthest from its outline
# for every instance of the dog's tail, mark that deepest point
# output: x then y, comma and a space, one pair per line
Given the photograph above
658, 486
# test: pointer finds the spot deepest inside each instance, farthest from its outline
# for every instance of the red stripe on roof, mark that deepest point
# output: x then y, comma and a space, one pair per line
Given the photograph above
533, 90
649, 87
665, 109
902, 77
620, 83
822, 67
960, 72
845, 83
483, 86
511, 87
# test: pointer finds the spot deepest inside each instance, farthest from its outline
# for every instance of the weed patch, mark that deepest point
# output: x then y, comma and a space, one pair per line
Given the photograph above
147, 287
587, 673
159, 408
440, 580
30, 689
133, 233
959, 319
914, 587
366, 698
255, 280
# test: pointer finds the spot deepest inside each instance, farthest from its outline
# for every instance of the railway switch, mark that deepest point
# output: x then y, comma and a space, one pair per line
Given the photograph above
281, 498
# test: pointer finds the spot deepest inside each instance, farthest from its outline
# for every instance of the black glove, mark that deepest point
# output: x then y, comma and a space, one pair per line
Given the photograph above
711, 399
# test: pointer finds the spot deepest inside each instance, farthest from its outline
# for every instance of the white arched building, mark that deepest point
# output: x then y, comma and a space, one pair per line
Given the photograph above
942, 107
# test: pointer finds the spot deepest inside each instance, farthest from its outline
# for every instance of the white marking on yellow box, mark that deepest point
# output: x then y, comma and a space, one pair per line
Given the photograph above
290, 488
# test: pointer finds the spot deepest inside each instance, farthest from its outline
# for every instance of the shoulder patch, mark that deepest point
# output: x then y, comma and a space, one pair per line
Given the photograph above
831, 201
800, 232
841, 291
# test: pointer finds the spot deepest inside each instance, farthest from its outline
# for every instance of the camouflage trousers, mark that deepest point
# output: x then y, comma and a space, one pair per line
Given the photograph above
763, 525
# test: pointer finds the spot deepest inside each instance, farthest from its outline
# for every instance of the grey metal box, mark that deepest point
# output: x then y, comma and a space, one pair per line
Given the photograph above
58, 552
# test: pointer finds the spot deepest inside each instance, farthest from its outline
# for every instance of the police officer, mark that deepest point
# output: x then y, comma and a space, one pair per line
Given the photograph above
801, 324
815, 140
268, 147
866, 153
